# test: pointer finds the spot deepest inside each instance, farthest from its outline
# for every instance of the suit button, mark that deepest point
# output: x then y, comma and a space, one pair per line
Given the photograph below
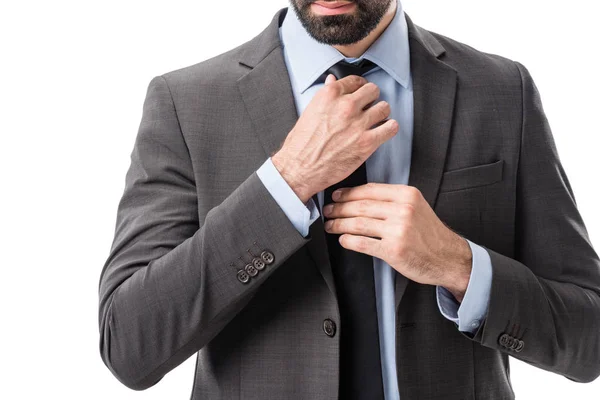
267, 257
243, 276
251, 270
258, 263
329, 327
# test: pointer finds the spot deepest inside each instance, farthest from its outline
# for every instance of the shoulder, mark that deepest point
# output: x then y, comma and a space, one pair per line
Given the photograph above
477, 67
222, 69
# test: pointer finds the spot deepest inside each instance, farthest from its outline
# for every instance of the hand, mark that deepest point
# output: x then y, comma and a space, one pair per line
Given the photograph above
396, 224
333, 136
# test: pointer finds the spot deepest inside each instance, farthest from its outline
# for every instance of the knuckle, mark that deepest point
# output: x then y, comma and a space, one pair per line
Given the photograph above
336, 224
371, 186
373, 87
360, 244
362, 206
384, 111
360, 224
330, 91
387, 107
407, 210
413, 194
359, 80
352, 80
377, 90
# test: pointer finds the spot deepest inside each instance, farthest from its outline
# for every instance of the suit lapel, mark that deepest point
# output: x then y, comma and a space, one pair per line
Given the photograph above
267, 93
434, 90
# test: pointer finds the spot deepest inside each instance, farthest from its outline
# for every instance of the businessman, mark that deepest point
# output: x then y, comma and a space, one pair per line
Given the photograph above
348, 206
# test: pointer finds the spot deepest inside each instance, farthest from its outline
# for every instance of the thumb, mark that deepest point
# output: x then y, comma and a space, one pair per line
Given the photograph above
330, 78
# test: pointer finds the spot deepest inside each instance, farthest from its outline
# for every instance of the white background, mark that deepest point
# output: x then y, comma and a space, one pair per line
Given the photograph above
74, 76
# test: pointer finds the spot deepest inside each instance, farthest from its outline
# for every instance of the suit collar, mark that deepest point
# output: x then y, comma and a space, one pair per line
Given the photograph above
267, 94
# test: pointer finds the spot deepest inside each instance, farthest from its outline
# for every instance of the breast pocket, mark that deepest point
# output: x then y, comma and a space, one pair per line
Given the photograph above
461, 202
473, 176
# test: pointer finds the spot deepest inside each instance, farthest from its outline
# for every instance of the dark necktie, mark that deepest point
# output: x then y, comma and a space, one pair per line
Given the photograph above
344, 68
360, 361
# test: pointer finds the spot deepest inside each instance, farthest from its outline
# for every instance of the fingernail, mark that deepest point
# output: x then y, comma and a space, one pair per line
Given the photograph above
327, 209
336, 194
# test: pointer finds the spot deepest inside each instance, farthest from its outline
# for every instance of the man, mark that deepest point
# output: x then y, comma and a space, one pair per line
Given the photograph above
462, 246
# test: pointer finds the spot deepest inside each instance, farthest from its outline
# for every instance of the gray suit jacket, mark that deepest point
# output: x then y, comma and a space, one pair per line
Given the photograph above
193, 213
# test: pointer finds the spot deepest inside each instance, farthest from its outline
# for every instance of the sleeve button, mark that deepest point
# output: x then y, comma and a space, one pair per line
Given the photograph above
243, 276
258, 263
267, 257
520, 346
251, 270
516, 344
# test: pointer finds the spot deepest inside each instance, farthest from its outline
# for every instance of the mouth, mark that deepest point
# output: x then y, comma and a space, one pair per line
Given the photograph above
332, 7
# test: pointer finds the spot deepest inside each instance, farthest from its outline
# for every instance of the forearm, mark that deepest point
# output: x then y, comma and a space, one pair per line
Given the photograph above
166, 310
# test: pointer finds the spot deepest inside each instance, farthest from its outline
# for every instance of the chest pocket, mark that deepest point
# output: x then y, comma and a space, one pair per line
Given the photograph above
473, 176
462, 197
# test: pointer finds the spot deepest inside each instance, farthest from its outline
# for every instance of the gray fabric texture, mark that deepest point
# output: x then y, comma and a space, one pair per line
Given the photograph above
485, 160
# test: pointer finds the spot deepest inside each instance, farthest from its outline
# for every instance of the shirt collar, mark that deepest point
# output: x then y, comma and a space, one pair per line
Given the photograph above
309, 58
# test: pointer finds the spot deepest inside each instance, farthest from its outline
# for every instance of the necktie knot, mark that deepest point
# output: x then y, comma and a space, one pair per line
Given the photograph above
343, 68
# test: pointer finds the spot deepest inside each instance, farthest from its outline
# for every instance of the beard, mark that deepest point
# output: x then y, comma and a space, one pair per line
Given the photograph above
342, 29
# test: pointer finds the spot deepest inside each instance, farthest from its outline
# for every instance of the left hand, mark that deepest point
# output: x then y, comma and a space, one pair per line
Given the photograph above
413, 240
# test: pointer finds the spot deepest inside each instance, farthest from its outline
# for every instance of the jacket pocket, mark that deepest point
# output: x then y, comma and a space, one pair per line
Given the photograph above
473, 176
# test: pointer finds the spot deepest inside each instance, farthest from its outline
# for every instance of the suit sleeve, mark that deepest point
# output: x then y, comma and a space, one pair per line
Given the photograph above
167, 287
544, 305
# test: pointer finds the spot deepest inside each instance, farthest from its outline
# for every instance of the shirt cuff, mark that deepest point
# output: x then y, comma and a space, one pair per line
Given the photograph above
471, 312
302, 215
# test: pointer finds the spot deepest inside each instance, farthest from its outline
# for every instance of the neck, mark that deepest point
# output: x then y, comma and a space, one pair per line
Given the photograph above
355, 50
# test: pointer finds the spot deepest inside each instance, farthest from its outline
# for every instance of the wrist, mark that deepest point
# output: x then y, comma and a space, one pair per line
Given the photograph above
290, 173
458, 281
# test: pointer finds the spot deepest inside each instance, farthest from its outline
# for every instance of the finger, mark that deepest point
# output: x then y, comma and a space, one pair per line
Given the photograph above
383, 132
362, 244
376, 209
377, 113
366, 94
357, 226
330, 78
394, 192
349, 84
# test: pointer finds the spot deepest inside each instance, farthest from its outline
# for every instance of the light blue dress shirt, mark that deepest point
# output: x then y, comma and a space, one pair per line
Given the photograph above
306, 59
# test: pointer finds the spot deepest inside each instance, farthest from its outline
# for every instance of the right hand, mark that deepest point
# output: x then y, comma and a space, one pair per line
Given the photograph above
334, 135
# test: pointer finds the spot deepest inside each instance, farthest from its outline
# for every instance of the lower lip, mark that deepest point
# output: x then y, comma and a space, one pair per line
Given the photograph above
332, 11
